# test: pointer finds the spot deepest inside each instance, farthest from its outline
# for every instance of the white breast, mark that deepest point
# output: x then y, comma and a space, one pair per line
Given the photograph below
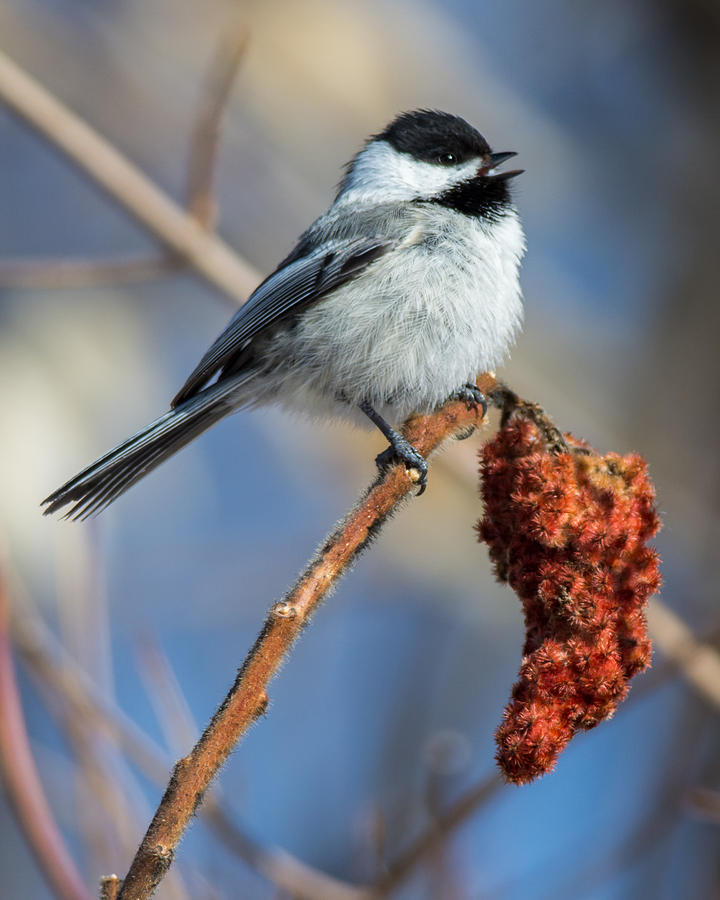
420, 323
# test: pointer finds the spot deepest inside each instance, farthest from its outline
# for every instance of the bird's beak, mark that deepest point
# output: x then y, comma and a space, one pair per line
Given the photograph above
495, 160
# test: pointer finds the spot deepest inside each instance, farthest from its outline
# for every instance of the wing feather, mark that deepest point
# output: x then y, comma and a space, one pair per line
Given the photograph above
291, 287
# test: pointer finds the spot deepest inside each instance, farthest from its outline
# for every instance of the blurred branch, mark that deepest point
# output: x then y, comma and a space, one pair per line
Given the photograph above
54, 669
247, 699
206, 134
166, 696
696, 660
42, 274
22, 781
179, 231
705, 804
476, 796
69, 681
435, 836
110, 803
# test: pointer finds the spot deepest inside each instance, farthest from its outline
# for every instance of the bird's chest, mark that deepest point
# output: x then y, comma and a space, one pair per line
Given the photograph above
451, 300
421, 321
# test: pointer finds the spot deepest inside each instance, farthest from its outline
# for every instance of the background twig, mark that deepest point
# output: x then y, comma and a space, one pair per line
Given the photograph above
82, 273
61, 675
22, 781
42, 274
435, 836
698, 661
178, 230
206, 134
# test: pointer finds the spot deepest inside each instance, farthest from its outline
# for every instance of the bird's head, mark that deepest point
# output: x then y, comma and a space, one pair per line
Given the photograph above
433, 156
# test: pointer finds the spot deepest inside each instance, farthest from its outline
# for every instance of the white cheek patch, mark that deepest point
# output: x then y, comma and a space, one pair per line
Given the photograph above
381, 174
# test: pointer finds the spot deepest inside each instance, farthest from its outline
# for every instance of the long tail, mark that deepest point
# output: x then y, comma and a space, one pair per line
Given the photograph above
102, 482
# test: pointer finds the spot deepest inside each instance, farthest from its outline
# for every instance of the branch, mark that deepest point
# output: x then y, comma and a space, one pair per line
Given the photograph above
705, 804
697, 660
247, 699
44, 274
165, 695
178, 230
206, 133
23, 784
436, 835
81, 273
109, 887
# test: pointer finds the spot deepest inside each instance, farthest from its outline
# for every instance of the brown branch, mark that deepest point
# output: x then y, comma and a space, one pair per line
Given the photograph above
247, 699
109, 887
182, 234
206, 133
23, 784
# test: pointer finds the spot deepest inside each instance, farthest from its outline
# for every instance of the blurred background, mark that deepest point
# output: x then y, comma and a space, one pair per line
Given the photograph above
385, 713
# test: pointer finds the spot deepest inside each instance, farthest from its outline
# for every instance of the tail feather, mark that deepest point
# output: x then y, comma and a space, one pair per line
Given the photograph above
91, 490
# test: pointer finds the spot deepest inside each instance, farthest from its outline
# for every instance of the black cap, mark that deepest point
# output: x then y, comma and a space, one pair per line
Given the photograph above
434, 136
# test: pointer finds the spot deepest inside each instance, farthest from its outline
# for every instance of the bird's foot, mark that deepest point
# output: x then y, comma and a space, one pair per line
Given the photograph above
473, 396
415, 463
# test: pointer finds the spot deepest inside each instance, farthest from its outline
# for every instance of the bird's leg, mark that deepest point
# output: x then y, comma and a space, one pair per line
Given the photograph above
473, 396
399, 448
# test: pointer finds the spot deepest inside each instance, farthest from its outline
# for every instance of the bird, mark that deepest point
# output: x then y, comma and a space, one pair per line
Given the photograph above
390, 303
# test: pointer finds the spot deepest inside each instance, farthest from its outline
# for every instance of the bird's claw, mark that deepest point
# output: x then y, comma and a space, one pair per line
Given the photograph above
403, 451
473, 396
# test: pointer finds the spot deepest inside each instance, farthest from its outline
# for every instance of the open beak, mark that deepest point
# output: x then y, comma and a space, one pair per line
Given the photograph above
495, 160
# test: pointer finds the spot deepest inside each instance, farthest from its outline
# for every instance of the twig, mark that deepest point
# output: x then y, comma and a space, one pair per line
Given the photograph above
109, 887
432, 839
42, 274
287, 872
508, 402
705, 804
95, 156
53, 668
165, 695
39, 274
477, 795
23, 783
247, 699
696, 660
206, 134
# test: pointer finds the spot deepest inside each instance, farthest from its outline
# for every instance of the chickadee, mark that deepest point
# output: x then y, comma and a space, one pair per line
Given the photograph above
391, 302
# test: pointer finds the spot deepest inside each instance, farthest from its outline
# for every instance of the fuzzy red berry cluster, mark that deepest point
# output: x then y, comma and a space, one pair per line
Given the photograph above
568, 531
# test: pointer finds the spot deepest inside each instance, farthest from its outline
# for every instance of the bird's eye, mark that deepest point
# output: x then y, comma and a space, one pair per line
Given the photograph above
447, 159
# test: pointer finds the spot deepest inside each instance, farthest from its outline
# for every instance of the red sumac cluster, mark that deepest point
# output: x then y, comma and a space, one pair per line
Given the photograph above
568, 531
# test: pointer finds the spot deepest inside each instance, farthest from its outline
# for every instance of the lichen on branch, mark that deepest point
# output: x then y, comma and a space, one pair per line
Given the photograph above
567, 529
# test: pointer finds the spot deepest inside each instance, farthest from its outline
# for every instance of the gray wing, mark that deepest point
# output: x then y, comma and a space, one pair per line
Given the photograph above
300, 280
